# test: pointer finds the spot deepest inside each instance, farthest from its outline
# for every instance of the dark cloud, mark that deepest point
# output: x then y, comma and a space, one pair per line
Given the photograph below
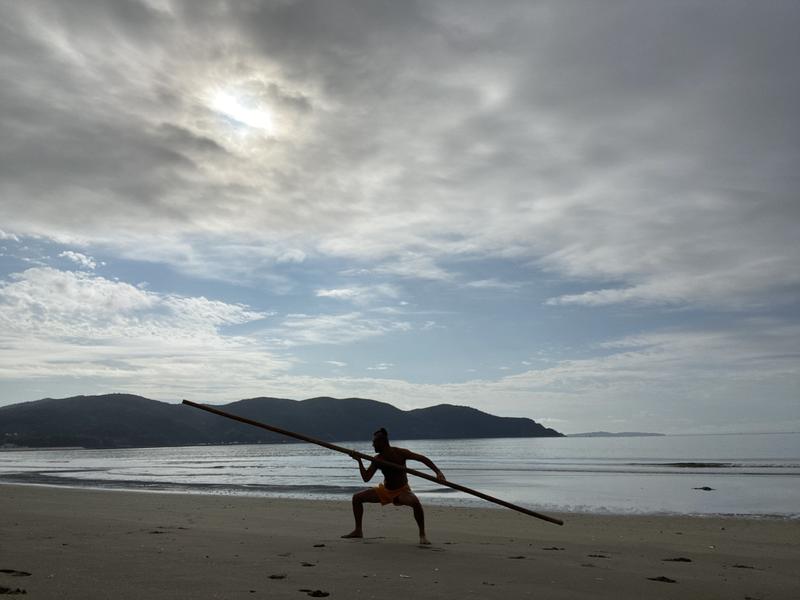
181, 137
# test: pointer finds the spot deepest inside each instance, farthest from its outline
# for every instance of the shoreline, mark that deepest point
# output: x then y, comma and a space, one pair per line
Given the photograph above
462, 503
85, 543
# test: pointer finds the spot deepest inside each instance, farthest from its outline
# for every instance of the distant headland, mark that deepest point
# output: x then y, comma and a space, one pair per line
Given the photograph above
617, 434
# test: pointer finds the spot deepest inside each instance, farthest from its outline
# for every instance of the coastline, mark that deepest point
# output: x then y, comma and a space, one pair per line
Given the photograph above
321, 494
90, 543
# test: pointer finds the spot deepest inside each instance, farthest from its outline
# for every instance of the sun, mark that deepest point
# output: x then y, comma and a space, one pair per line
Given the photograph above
242, 112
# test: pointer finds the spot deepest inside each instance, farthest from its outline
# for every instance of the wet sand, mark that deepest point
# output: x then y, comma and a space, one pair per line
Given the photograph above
78, 543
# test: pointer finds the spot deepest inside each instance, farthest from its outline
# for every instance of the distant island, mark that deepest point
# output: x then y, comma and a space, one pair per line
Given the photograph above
130, 421
618, 434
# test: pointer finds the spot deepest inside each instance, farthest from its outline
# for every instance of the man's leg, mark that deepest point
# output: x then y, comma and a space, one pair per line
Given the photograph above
358, 510
410, 499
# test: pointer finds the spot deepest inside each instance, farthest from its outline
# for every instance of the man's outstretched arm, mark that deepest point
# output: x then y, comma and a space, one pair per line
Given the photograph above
425, 461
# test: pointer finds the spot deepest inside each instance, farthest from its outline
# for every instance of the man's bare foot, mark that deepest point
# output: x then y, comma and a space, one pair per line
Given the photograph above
423, 541
354, 534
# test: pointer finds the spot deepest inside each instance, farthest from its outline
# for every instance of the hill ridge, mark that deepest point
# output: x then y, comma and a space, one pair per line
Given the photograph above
128, 420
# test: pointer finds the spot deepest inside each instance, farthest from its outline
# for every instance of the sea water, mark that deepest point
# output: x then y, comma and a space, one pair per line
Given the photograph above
749, 474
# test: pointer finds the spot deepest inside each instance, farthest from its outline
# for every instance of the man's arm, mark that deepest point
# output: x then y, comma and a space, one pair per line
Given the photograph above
366, 472
424, 460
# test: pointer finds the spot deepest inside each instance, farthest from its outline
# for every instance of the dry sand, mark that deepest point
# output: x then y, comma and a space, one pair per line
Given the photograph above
77, 543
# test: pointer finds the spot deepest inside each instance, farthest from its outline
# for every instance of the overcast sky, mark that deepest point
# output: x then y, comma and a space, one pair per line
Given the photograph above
586, 213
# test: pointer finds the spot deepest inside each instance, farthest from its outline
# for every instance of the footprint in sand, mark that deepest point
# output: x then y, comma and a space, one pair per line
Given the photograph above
278, 576
5, 590
308, 564
15, 573
167, 529
553, 548
597, 556
314, 593
662, 579
678, 559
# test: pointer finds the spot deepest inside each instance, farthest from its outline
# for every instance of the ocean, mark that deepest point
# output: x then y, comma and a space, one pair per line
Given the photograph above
749, 474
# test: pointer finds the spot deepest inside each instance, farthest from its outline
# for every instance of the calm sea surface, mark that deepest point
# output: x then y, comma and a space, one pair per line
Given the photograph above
750, 474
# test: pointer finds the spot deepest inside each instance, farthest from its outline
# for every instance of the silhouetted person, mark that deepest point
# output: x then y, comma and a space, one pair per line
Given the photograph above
394, 489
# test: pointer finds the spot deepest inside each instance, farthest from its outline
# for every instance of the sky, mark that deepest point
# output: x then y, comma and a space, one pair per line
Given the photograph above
585, 213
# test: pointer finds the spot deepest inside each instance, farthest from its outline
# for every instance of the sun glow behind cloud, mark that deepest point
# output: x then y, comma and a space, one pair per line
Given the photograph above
239, 110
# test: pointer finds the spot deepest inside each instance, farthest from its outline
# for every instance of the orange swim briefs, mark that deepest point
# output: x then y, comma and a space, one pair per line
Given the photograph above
387, 496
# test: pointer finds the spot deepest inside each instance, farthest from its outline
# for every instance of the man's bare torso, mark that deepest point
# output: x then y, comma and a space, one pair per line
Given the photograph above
393, 478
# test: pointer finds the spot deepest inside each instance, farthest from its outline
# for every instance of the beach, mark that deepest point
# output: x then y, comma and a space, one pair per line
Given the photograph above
85, 543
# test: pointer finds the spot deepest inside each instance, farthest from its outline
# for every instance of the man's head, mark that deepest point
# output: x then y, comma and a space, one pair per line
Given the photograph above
380, 440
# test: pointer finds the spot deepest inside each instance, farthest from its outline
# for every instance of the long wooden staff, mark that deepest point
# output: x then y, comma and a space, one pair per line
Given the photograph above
380, 463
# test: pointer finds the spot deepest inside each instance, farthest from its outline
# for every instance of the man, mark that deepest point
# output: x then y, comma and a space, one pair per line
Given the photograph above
394, 489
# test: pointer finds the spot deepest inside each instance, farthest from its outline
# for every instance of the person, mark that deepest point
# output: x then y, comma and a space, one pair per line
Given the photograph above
394, 489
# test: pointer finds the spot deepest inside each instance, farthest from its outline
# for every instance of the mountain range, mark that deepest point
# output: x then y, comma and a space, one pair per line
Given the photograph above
126, 420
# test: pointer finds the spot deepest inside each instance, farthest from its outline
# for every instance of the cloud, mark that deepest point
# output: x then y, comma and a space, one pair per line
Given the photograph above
380, 367
76, 326
64, 324
82, 260
671, 381
360, 294
341, 293
302, 329
543, 138
406, 264
291, 255
493, 284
